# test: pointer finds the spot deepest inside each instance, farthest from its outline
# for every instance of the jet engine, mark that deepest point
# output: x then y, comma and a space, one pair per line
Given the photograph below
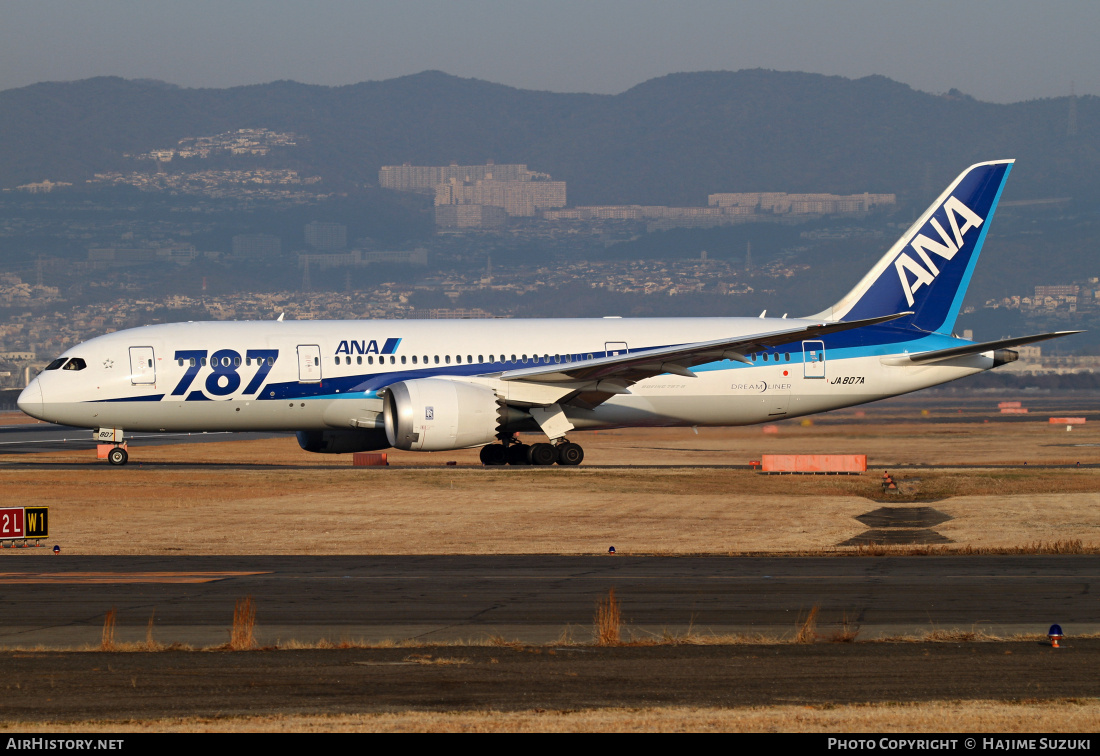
434, 414
342, 441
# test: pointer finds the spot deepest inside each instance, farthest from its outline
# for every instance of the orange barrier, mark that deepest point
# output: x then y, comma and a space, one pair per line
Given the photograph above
814, 463
1009, 405
771, 428
1014, 410
369, 459
1067, 421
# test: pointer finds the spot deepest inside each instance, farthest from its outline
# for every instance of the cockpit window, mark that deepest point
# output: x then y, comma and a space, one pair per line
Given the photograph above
56, 363
76, 364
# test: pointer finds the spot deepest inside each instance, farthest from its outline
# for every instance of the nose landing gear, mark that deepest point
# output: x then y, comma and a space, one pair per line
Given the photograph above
111, 446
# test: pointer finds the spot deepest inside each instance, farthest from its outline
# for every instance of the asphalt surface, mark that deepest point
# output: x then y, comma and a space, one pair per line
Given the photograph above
120, 686
61, 601
32, 438
511, 605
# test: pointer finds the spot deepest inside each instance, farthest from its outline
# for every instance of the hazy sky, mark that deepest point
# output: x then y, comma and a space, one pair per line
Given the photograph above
1000, 51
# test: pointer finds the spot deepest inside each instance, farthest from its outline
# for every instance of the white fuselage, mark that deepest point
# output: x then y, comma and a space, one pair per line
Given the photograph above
315, 375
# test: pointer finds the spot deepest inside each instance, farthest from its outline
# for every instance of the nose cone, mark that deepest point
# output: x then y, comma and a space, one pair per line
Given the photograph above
30, 400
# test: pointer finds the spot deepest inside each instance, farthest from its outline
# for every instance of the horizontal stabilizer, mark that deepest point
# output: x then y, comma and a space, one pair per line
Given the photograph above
941, 355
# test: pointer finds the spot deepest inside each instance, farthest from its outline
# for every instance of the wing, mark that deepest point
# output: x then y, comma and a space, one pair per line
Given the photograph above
599, 378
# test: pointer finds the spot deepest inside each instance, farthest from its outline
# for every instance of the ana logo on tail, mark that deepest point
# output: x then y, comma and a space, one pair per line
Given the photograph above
922, 245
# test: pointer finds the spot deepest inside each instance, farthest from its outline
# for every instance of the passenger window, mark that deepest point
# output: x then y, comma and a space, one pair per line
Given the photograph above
448, 359
402, 359
337, 360
359, 360
370, 360
270, 361
513, 358
787, 356
317, 361
480, 359
458, 358
589, 356
180, 361
393, 360
237, 361
69, 366
192, 362
469, 358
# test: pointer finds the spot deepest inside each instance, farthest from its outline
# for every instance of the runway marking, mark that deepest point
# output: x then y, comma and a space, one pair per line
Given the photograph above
116, 578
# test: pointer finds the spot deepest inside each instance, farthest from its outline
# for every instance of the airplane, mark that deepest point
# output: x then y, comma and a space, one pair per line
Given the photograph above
434, 385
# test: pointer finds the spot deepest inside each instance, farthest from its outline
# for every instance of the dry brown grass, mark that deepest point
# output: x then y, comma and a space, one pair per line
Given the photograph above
608, 622
242, 637
1064, 716
669, 510
108, 640
848, 632
1074, 546
150, 643
807, 628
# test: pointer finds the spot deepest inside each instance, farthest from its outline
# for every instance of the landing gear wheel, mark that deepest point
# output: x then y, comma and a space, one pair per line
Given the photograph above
569, 454
117, 456
542, 454
517, 454
494, 454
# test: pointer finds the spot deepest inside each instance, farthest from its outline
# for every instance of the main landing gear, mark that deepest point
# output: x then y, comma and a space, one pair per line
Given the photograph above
512, 452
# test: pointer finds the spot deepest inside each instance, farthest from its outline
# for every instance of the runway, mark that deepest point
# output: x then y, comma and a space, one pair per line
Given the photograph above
31, 438
99, 687
61, 601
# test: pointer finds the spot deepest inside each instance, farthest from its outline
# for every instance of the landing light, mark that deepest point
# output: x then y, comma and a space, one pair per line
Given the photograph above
1055, 635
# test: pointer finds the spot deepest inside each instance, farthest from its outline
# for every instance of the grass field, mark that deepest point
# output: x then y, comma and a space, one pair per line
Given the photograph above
166, 498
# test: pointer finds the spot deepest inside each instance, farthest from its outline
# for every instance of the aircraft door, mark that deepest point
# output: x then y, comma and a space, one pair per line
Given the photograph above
614, 348
142, 366
813, 359
309, 363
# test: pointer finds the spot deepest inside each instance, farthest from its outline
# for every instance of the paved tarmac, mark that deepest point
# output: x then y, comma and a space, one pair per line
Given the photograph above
57, 687
61, 601
31, 438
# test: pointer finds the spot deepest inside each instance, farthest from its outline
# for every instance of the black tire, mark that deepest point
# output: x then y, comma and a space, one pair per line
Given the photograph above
117, 456
570, 454
542, 454
517, 454
494, 454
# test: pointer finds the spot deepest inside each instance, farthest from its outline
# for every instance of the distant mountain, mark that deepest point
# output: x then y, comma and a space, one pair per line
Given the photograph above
671, 140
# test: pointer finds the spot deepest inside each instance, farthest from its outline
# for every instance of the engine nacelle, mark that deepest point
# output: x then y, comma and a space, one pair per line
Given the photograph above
342, 441
434, 414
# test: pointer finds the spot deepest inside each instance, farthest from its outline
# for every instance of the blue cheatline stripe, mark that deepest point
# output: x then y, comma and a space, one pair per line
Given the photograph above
145, 398
390, 346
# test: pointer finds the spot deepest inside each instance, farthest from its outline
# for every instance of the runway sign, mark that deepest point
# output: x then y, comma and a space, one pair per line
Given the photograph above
24, 522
